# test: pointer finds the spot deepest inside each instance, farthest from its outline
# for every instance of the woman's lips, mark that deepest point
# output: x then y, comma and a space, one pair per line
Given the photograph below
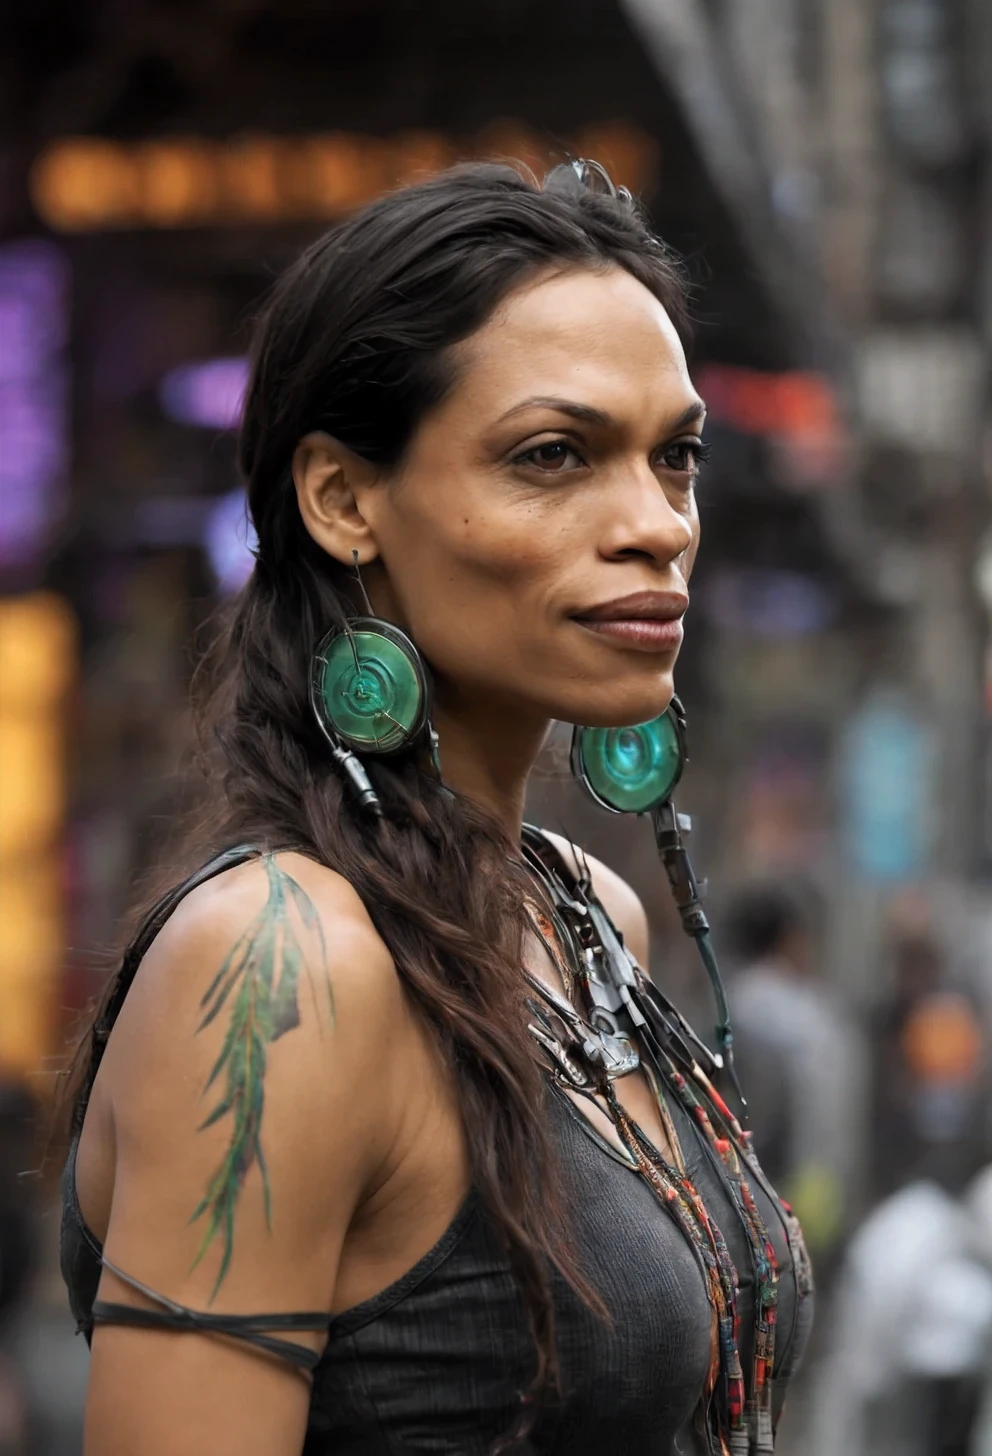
647, 634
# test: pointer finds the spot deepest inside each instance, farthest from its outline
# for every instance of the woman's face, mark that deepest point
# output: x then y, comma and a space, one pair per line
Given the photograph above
537, 541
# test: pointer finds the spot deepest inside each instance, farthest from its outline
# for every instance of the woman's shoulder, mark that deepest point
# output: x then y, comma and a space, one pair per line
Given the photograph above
253, 1087
278, 926
620, 901
267, 995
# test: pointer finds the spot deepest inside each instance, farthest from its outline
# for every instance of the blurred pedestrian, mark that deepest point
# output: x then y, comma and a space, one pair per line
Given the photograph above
908, 1377
929, 1067
797, 1053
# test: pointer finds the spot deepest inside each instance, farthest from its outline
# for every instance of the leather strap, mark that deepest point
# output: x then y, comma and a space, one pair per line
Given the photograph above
254, 1329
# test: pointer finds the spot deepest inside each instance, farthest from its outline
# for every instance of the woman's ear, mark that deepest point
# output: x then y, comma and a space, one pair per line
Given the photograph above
330, 481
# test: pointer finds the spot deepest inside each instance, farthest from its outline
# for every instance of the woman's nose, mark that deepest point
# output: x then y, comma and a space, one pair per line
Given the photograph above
644, 522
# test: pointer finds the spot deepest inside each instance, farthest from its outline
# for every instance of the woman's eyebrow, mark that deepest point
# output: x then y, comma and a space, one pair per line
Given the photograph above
592, 416
571, 407
692, 414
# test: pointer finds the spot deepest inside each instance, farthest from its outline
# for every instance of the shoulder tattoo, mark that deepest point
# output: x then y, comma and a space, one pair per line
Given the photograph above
258, 986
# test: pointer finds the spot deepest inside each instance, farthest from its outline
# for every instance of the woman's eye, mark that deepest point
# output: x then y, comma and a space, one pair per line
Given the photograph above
685, 456
554, 457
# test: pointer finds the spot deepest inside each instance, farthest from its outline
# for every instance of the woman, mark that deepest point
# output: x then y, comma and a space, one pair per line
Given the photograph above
356, 1122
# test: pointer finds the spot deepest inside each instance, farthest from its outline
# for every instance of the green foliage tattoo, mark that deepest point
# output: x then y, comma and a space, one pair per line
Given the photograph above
259, 981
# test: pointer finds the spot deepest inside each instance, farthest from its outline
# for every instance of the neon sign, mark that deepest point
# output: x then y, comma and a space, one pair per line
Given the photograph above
34, 395
86, 183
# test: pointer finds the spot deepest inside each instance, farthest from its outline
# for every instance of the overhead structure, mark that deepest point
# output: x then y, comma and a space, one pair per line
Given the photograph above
692, 60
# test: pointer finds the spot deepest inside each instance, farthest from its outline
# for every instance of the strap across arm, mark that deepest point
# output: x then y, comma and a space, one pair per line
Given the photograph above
254, 1329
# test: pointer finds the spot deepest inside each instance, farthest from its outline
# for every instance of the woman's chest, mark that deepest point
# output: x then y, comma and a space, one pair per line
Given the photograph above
440, 1362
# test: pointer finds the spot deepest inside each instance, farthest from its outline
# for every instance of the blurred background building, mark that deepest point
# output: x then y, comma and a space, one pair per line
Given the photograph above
825, 166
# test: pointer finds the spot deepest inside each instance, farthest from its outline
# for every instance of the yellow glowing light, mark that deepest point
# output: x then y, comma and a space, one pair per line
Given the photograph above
250, 172
31, 942
37, 652
341, 173
32, 796
83, 183
37, 666
178, 182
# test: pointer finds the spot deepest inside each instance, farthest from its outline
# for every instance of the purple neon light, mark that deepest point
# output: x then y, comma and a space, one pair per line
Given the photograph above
209, 393
230, 541
34, 395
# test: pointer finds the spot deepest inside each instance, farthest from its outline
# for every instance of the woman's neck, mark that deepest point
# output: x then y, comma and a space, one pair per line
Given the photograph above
487, 751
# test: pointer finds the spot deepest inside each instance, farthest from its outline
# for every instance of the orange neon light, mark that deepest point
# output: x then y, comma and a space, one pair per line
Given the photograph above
81, 184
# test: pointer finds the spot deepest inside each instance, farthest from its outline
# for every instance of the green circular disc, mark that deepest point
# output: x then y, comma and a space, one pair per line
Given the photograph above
632, 769
377, 702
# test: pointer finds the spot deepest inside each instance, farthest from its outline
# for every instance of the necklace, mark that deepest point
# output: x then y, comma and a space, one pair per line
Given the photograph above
602, 1039
546, 933
587, 1042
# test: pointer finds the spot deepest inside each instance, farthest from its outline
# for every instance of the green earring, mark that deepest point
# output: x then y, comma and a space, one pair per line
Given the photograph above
631, 770
369, 686
370, 692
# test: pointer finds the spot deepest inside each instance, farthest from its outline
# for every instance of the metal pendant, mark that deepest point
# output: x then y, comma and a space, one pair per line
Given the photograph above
614, 1051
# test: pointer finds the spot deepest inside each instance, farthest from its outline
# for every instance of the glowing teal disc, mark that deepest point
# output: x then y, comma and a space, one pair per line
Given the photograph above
630, 770
371, 688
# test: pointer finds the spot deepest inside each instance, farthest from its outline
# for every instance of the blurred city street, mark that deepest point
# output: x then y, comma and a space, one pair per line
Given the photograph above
825, 168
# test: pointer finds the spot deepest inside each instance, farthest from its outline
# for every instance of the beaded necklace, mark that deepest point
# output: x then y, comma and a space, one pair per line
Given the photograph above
587, 1041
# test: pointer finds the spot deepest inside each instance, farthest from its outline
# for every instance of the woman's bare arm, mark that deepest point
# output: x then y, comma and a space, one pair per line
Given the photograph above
250, 1113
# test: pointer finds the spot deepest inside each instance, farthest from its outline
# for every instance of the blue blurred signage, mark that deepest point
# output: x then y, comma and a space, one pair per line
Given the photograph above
886, 793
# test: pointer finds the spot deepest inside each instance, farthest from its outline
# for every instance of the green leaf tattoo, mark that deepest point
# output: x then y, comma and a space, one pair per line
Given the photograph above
259, 982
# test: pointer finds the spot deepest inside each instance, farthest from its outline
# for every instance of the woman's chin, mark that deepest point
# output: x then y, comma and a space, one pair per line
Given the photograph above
622, 709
